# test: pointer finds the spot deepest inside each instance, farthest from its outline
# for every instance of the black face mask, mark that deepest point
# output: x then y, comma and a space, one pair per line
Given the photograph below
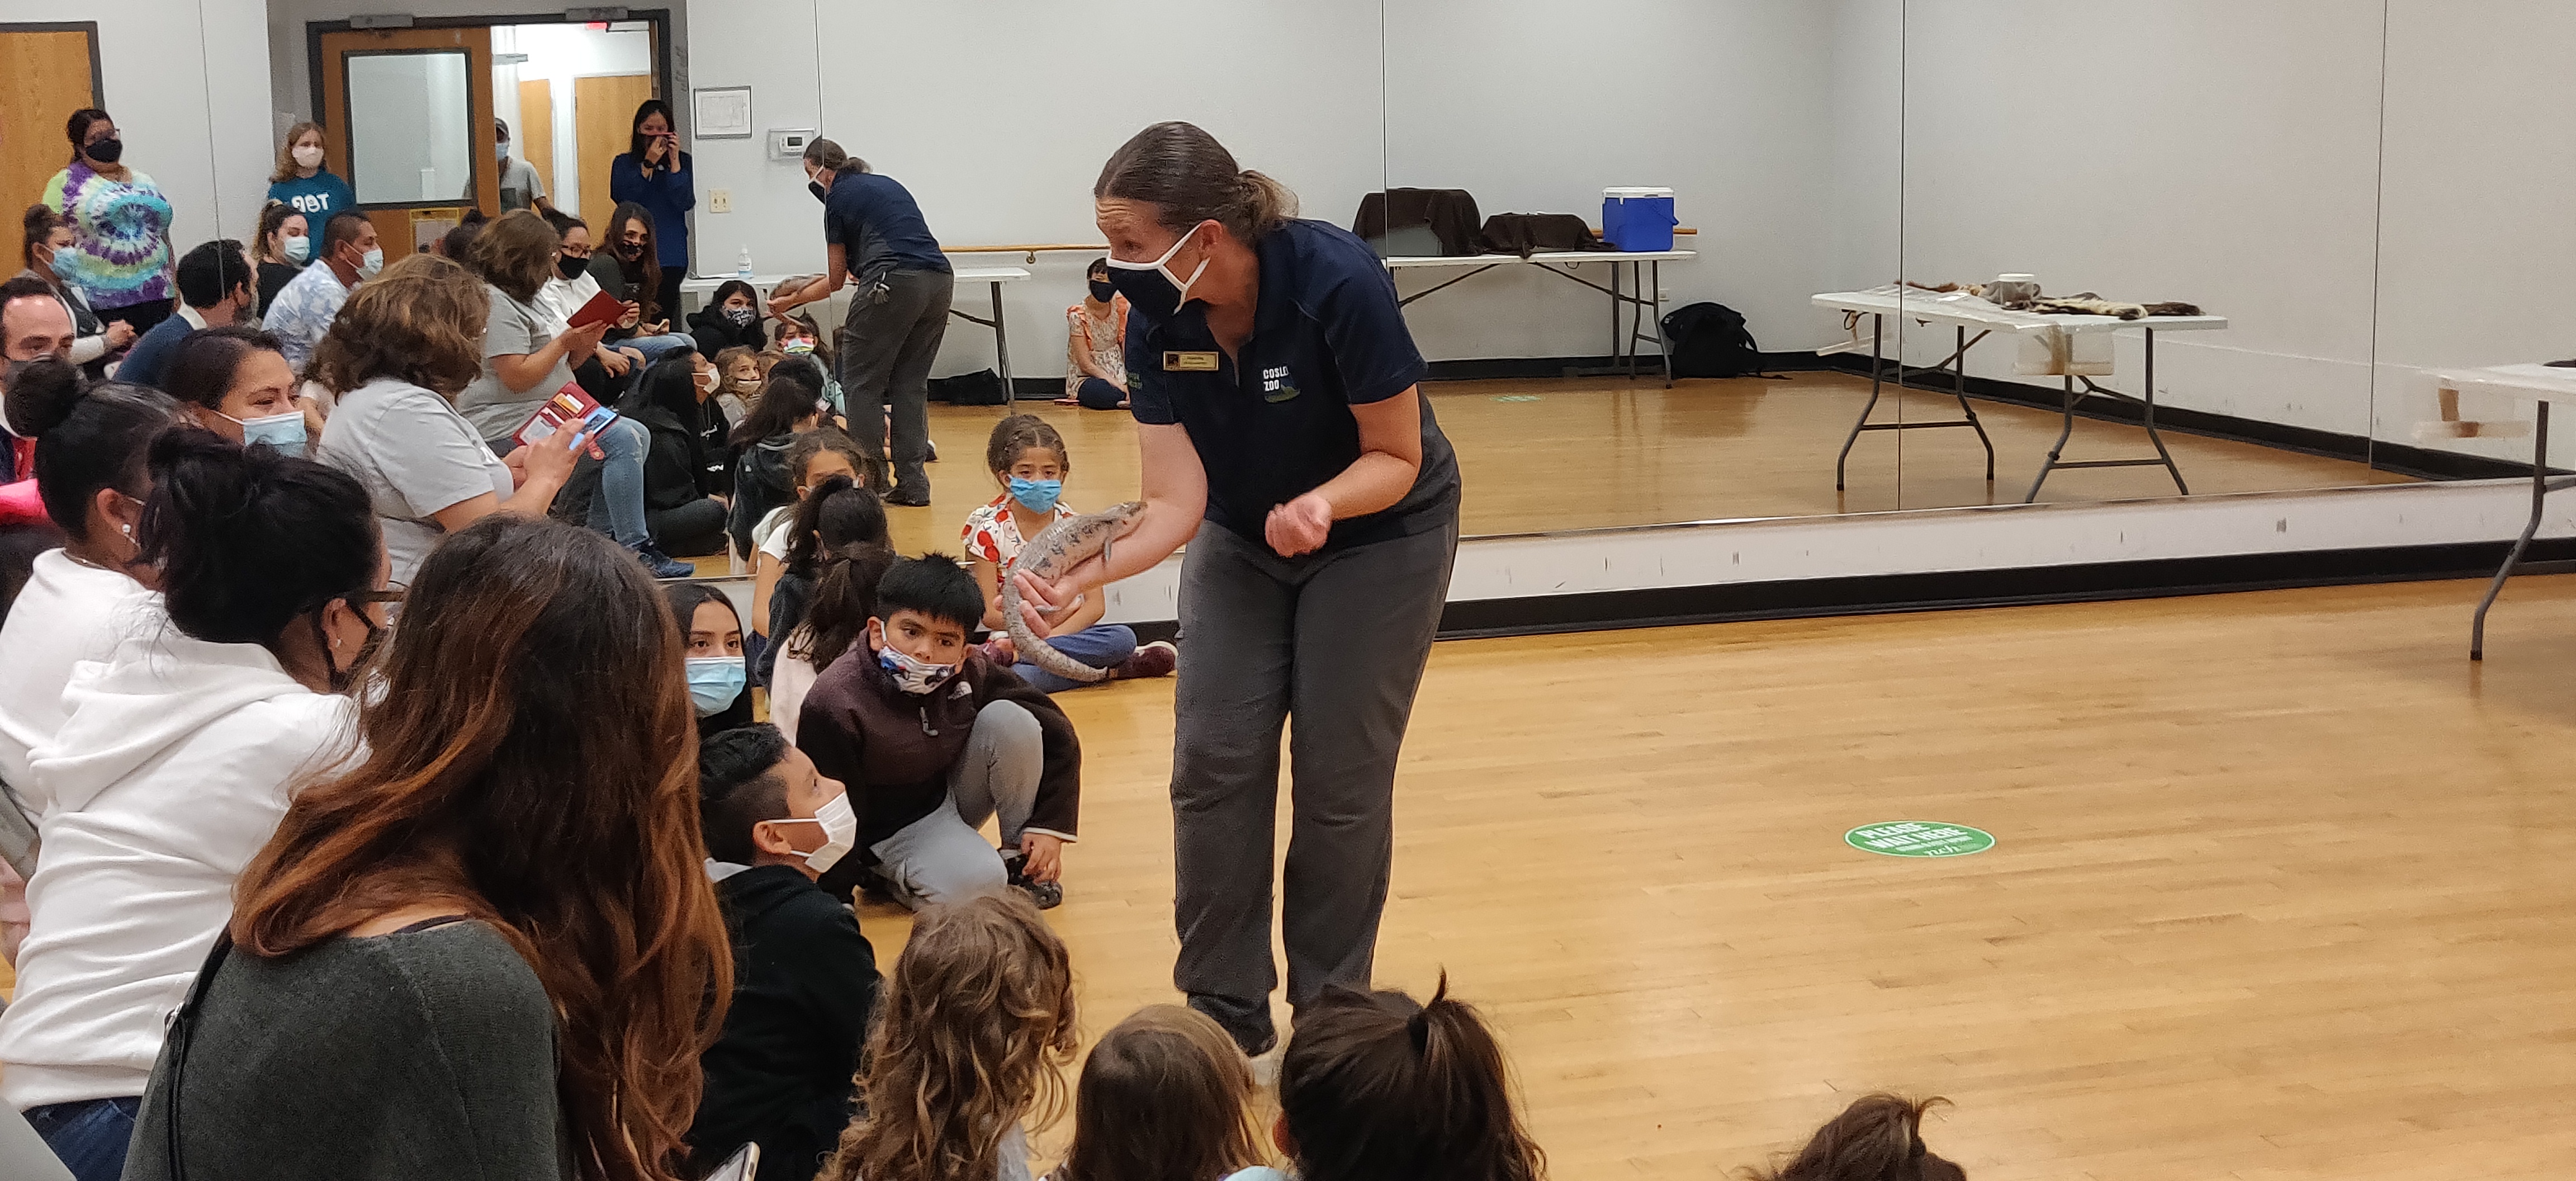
738, 317
1103, 290
820, 193
630, 250
570, 267
105, 151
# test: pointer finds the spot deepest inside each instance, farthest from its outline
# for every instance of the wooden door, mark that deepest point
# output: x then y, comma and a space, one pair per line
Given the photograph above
45, 75
394, 222
603, 118
536, 143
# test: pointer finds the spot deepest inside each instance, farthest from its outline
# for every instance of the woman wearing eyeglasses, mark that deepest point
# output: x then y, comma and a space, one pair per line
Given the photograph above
176, 762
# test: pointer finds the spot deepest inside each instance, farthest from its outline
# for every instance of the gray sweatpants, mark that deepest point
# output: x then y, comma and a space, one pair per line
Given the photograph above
1338, 641
942, 857
886, 352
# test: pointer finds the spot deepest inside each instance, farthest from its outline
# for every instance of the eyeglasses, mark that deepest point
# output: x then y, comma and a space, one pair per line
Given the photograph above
393, 593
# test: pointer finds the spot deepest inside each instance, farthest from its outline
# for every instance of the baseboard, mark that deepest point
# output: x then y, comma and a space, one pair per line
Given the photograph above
1950, 590
2423, 463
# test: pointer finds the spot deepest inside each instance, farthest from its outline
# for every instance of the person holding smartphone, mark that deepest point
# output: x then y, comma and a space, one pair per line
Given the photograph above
653, 172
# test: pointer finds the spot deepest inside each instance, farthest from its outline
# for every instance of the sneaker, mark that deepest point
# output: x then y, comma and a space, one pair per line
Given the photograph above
1044, 893
1157, 659
934, 452
909, 497
1249, 1027
663, 565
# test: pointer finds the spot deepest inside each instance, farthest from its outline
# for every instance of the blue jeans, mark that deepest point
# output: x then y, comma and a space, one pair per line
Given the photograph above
617, 508
654, 346
1105, 645
91, 1136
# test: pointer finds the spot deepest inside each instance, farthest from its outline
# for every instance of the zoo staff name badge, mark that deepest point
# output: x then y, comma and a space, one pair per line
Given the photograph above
1189, 362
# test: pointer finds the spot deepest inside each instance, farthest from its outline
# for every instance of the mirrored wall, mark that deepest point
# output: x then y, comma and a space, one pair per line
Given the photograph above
1989, 251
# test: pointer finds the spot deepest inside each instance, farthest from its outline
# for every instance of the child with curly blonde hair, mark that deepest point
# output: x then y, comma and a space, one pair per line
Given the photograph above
974, 1030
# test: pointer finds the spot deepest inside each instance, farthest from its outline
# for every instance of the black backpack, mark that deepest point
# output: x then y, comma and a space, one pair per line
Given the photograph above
1709, 340
983, 387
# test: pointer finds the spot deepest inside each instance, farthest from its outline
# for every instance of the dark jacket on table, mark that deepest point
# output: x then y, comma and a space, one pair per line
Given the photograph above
805, 980
894, 749
715, 334
1450, 214
760, 483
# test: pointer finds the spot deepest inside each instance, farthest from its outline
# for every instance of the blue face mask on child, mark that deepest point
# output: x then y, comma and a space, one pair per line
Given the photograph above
1039, 495
714, 683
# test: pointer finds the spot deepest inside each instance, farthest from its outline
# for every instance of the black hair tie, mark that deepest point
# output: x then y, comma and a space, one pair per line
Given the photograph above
1419, 1026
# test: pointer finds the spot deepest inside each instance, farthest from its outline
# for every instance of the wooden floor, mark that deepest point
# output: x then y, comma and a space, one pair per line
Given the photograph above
2280, 891
1543, 455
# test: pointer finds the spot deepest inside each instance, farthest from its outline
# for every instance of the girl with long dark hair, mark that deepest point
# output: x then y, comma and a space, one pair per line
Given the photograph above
489, 948
655, 175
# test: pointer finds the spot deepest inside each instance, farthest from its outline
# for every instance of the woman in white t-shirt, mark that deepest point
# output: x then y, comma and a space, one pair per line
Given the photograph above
403, 346
1095, 346
572, 286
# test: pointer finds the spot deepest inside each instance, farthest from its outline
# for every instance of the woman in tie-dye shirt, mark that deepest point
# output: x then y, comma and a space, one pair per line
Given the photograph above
120, 255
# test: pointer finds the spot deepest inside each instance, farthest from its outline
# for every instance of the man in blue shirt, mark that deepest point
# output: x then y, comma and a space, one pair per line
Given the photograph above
874, 232
217, 286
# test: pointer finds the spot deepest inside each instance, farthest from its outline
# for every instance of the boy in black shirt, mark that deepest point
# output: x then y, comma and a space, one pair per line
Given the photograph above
805, 979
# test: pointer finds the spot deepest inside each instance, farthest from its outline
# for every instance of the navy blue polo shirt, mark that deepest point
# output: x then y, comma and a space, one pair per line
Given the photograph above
1275, 422
879, 228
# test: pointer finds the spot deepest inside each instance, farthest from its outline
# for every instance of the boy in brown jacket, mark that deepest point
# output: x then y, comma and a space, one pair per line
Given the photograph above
932, 739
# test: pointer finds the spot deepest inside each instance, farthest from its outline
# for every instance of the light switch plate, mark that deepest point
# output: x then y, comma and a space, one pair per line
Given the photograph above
719, 200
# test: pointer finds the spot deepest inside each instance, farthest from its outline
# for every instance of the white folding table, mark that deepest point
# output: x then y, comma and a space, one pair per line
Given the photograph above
1643, 292
1963, 312
2538, 385
991, 277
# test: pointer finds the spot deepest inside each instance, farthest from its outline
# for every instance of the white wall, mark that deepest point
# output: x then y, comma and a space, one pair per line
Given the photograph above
1535, 106
998, 116
2212, 151
558, 54
2478, 218
197, 132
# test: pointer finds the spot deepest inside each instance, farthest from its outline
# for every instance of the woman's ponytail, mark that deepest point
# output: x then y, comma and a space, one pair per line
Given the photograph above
1267, 204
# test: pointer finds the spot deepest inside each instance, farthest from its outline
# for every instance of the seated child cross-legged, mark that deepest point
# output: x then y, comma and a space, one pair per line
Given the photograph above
934, 738
973, 1032
1376, 1086
1165, 1096
1029, 461
805, 979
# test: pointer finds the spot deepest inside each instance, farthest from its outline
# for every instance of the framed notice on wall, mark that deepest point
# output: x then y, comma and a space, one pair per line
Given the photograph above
722, 113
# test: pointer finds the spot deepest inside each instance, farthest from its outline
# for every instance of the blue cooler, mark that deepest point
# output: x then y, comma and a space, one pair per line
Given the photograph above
1638, 218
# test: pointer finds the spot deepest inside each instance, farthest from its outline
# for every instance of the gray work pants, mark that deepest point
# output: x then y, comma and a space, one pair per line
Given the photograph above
887, 347
1338, 641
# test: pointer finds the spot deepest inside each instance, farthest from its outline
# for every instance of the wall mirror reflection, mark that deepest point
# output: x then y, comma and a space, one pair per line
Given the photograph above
411, 126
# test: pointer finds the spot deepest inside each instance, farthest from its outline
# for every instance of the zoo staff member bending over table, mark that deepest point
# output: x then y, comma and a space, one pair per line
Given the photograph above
1273, 384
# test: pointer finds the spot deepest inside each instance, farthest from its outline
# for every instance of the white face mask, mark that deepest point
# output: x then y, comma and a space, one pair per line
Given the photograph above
1130, 280
308, 156
840, 832
371, 263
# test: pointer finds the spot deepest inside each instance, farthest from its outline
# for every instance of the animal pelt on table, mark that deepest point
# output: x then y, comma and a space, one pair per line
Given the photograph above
2082, 303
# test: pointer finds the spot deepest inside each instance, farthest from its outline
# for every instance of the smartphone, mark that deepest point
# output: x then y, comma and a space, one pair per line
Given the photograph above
741, 1166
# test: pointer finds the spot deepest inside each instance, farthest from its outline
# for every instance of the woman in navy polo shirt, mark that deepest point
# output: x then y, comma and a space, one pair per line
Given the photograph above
1274, 388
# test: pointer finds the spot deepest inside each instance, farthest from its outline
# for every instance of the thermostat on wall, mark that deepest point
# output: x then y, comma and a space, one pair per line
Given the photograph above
789, 143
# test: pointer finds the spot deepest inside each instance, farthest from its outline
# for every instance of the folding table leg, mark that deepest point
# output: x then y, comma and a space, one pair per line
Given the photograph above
1877, 326
2513, 557
1959, 389
2153, 436
1002, 349
2063, 434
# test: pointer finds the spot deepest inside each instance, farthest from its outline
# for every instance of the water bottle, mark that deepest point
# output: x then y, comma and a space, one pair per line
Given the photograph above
742, 268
